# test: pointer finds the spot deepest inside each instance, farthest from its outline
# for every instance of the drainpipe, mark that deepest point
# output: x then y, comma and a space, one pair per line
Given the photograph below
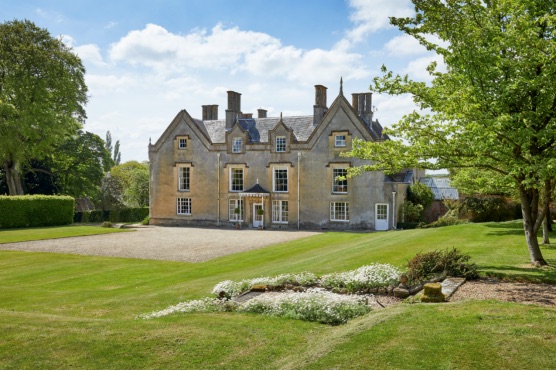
298, 196
394, 209
218, 190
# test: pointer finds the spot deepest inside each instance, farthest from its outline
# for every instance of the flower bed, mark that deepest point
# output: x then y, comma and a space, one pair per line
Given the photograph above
315, 303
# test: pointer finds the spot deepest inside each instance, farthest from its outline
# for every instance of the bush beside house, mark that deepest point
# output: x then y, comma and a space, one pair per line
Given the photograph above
35, 211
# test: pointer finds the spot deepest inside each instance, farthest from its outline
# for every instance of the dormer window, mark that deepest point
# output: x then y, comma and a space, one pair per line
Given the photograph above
340, 140
280, 144
237, 145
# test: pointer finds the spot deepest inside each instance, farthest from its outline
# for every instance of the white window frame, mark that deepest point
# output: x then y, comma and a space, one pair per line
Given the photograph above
340, 140
184, 178
275, 179
280, 211
339, 186
232, 205
232, 170
280, 144
182, 143
183, 206
237, 145
339, 211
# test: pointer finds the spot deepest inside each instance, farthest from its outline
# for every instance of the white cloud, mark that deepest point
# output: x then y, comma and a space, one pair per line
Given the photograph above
404, 45
369, 16
417, 68
90, 53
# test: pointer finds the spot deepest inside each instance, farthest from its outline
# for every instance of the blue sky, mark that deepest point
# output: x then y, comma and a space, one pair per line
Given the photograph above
147, 60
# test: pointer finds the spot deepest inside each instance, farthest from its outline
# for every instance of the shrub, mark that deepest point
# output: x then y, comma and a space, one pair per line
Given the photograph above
106, 224
445, 221
413, 213
450, 262
488, 209
420, 194
146, 221
137, 214
35, 211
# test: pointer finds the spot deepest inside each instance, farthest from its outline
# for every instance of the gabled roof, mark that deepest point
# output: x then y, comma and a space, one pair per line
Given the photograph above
258, 128
441, 188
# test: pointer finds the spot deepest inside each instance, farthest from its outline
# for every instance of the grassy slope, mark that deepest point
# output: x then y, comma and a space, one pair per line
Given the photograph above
45, 233
66, 311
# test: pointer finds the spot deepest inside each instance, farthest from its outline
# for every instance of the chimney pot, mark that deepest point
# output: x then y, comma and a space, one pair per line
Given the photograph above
262, 113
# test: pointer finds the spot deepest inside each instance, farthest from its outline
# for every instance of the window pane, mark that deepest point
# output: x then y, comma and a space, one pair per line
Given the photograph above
184, 180
280, 144
339, 211
233, 205
280, 180
340, 141
184, 206
280, 211
339, 186
236, 179
182, 143
237, 145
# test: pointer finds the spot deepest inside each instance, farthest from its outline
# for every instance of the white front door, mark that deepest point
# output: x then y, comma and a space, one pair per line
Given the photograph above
257, 218
381, 217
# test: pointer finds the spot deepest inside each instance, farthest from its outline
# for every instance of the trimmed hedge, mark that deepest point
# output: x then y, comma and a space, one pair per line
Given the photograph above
35, 211
135, 214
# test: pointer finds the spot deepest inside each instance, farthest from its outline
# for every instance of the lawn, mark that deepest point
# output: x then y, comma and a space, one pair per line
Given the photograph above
66, 311
45, 233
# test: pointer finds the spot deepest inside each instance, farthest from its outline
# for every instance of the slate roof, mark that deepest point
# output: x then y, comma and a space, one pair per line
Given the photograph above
441, 188
302, 127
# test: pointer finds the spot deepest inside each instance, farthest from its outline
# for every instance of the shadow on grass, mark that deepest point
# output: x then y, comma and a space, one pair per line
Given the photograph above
512, 228
545, 274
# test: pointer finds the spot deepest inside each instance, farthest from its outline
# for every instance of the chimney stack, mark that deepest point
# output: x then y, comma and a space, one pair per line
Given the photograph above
234, 108
363, 104
261, 113
320, 107
210, 112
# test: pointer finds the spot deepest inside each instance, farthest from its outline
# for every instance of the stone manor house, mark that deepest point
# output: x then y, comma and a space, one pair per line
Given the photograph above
273, 172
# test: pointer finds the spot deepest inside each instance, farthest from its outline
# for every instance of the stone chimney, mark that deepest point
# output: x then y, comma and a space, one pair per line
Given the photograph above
234, 108
320, 107
261, 113
363, 104
210, 112
247, 116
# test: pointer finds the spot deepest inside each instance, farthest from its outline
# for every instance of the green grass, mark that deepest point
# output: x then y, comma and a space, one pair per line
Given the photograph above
45, 233
66, 311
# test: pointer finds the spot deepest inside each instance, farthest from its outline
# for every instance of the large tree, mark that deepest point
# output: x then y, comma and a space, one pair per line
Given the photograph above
495, 106
42, 96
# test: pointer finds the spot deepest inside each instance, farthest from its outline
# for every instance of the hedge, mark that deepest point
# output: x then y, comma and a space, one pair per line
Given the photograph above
35, 211
136, 214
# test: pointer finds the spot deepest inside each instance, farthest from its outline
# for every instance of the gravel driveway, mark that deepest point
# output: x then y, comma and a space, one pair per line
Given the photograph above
164, 243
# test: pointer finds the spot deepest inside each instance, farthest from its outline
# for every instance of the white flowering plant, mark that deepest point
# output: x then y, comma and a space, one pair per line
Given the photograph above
366, 277
363, 278
316, 303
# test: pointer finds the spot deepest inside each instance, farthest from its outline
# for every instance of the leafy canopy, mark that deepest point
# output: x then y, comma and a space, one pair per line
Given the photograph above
42, 93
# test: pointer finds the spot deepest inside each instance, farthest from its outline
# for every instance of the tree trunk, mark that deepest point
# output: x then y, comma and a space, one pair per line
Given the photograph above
13, 178
532, 220
546, 231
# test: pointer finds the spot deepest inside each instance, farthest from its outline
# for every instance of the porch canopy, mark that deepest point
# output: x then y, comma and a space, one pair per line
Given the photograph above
255, 191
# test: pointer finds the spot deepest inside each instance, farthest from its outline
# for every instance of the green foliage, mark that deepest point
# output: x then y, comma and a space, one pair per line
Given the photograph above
412, 213
445, 221
127, 215
106, 225
42, 96
34, 211
488, 209
492, 108
450, 262
133, 178
420, 194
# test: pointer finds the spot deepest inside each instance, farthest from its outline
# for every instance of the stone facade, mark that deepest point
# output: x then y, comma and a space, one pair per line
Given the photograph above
215, 172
